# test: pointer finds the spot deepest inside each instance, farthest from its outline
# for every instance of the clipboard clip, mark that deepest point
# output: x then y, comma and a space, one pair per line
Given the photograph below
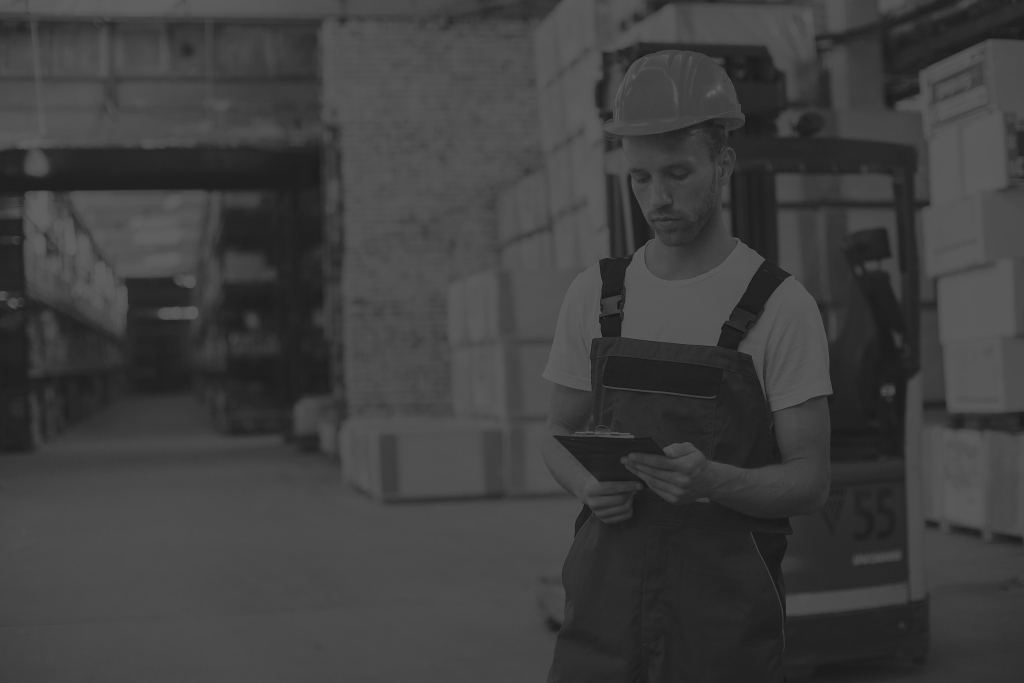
603, 431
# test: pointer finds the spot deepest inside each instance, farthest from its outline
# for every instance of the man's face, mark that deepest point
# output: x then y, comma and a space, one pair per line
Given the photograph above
676, 182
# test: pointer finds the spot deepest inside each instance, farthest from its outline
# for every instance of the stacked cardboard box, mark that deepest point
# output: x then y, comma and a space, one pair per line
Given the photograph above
974, 478
501, 324
306, 415
394, 459
524, 225
567, 51
974, 244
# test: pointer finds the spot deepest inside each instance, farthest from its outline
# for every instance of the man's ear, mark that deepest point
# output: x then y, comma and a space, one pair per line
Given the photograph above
727, 163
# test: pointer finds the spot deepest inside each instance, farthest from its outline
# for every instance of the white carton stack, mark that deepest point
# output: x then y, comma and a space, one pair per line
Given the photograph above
500, 327
567, 49
524, 225
974, 244
416, 458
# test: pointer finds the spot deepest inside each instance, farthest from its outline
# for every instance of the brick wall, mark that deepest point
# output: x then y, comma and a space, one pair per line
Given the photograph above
434, 119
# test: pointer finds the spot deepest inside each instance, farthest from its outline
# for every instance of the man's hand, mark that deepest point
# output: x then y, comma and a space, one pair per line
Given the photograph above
680, 476
611, 501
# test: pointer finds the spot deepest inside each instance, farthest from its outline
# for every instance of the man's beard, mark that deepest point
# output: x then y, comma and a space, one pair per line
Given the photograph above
692, 228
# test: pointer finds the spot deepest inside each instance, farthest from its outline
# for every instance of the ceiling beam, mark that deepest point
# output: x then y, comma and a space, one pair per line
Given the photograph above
921, 53
175, 168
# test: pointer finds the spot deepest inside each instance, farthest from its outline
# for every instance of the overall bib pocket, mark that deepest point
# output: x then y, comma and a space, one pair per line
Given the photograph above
670, 401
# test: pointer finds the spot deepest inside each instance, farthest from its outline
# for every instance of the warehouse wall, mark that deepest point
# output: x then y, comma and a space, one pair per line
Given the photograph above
434, 119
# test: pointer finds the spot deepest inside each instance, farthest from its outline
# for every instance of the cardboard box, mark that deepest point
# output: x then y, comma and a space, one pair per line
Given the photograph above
973, 231
515, 305
964, 462
570, 27
511, 256
394, 459
982, 303
983, 77
508, 215
538, 252
532, 202
327, 430
501, 381
306, 416
977, 154
931, 486
985, 376
991, 156
1005, 495
933, 377
457, 313
551, 111
560, 180
545, 51
462, 365
526, 473
593, 241
946, 165
578, 84
588, 178
566, 247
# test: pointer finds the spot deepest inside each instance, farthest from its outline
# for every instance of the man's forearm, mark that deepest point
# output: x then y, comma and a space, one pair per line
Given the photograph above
789, 489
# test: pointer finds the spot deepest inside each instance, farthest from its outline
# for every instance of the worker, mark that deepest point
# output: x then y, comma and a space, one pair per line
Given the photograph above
721, 357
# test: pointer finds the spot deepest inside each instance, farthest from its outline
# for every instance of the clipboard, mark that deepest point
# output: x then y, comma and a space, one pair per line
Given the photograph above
600, 452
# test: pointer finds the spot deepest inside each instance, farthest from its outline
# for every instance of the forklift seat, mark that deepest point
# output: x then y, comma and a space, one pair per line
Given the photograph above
865, 362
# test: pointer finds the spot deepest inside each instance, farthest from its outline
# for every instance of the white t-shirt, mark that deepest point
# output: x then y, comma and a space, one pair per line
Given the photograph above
788, 344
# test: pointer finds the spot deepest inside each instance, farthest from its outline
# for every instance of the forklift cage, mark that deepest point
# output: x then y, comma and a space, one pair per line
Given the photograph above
874, 613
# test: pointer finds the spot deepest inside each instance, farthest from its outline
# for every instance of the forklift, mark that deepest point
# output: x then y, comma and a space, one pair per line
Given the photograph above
854, 573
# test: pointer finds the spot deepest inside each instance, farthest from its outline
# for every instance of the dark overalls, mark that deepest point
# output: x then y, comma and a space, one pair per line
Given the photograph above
680, 593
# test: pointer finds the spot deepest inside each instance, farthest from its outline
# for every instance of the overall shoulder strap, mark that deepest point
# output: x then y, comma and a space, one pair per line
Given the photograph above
747, 312
613, 294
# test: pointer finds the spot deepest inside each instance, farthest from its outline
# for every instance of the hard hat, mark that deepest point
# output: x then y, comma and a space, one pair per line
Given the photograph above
673, 89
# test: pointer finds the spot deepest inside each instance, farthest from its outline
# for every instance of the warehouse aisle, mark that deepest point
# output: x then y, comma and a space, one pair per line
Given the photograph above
143, 546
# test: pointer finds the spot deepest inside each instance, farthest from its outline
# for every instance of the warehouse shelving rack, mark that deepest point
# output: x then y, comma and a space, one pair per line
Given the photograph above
260, 297
62, 312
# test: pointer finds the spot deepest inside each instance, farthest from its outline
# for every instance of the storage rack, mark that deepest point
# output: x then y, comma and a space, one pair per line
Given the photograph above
259, 341
62, 321
159, 344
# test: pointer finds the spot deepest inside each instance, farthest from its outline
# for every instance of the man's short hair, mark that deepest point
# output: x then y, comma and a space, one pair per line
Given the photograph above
714, 134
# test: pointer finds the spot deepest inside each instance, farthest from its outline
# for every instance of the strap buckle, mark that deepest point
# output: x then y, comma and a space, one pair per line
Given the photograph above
612, 306
742, 320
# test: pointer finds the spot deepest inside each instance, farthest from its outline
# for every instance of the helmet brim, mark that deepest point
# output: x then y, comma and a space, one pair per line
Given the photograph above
730, 121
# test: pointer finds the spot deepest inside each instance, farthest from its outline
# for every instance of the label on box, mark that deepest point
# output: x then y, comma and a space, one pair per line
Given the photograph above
960, 92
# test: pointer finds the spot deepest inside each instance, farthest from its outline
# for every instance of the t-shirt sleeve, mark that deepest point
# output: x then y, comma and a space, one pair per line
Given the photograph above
796, 358
569, 360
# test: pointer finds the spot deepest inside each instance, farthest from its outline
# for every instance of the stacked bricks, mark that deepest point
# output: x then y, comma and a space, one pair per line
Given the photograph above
974, 244
432, 120
501, 324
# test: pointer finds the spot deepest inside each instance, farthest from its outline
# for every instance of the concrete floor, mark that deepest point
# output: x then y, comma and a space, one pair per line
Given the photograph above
143, 547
